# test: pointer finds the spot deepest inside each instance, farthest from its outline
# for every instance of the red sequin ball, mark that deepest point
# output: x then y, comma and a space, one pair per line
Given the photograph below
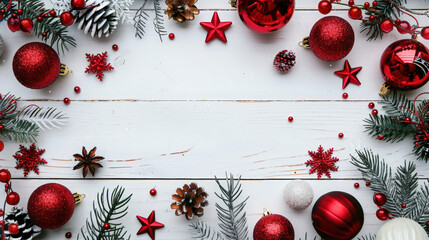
284, 61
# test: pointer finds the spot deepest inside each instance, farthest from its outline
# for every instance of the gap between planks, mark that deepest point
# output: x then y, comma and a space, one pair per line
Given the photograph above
193, 179
200, 100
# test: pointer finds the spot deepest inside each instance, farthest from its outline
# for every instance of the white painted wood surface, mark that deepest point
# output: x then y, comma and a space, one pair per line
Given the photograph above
181, 111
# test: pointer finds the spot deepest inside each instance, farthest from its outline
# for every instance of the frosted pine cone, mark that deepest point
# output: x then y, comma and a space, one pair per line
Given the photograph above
97, 21
284, 61
27, 229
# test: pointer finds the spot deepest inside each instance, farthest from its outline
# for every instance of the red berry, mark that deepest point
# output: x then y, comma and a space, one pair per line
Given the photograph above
407, 119
171, 36
355, 13
66, 18
115, 47
2, 223
106, 226
403, 205
26, 25
290, 119
12, 198
380, 137
356, 185
374, 4
39, 19
78, 4
403, 27
13, 228
77, 89
367, 184
1, 213
68, 235
14, 15
416, 143
379, 199
366, 5
345, 95
3, 11
52, 13
374, 112
152, 192
382, 214
425, 33
386, 25
372, 18
44, 34
19, 11
4, 176
7, 186
371, 105
325, 7
351, 2
427, 223
340, 135
66, 100
1, 127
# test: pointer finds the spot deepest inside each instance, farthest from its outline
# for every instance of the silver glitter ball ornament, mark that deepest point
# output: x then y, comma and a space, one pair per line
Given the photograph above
298, 195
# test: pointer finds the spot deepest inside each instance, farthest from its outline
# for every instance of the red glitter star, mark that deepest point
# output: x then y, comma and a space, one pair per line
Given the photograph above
322, 162
215, 28
348, 74
98, 64
29, 159
149, 225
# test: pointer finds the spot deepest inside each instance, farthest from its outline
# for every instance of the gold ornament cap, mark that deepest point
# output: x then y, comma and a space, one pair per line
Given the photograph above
305, 43
385, 89
78, 198
64, 70
266, 212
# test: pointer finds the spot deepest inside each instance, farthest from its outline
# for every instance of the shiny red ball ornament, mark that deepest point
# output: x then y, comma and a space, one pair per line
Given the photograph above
386, 25
367, 184
340, 135
405, 64
19, 11
77, 89
290, 119
331, 38
12, 198
425, 33
153, 192
403, 27
51, 206
337, 216
374, 112
66, 101
115, 47
36, 65
371, 18
66, 18
52, 13
325, 7
382, 214
171, 36
345, 95
356, 185
13, 23
78, 4
4, 176
26, 25
355, 13
265, 16
371, 105
13, 229
273, 227
366, 5
379, 199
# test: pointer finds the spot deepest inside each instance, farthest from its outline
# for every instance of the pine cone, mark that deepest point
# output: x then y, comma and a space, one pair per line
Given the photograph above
181, 10
27, 229
98, 21
284, 61
190, 201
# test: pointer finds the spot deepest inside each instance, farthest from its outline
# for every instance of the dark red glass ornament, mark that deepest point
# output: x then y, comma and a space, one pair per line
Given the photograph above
51, 206
273, 227
68, 235
382, 214
78, 4
265, 15
405, 64
356, 185
403, 27
26, 25
13, 23
1, 146
325, 7
77, 89
36, 65
4, 176
66, 101
355, 13
386, 25
331, 38
379, 199
371, 105
337, 216
12, 198
66, 18
425, 33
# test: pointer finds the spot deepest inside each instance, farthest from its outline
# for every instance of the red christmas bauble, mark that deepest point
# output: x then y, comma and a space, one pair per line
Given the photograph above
12, 198
66, 18
331, 38
26, 25
382, 214
13, 229
405, 64
379, 199
1, 146
265, 16
425, 33
337, 216
386, 25
51, 206
13, 24
78, 4
4, 176
273, 227
36, 65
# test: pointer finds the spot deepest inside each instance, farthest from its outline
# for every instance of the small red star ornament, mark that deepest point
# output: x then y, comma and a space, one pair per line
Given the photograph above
149, 225
98, 64
215, 28
29, 159
322, 162
348, 74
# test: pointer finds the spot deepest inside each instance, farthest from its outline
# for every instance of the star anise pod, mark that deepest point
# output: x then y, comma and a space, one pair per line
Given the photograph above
87, 161
181, 10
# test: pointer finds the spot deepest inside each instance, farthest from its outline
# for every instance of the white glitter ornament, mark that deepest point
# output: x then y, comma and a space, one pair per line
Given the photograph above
1, 46
298, 195
401, 229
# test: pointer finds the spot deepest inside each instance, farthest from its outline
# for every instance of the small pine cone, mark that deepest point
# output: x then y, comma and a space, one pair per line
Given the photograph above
27, 229
284, 61
181, 10
190, 201
97, 21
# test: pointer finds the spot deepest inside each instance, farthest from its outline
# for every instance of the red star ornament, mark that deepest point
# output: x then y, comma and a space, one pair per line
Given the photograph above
149, 225
348, 74
215, 28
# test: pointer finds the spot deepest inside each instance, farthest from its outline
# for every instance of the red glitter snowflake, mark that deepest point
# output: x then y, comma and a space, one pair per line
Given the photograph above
29, 159
322, 162
98, 64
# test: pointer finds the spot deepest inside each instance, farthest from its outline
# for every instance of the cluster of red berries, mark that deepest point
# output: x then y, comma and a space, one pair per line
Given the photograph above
386, 25
12, 198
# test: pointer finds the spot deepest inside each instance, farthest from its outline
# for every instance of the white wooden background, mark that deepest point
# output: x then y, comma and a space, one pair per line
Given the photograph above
183, 110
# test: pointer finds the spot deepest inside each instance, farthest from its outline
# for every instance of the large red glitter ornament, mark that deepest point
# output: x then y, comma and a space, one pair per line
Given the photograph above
273, 227
337, 216
51, 206
265, 15
331, 38
405, 64
36, 65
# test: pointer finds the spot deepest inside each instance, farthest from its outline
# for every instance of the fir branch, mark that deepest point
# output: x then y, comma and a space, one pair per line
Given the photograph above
19, 130
110, 207
44, 118
140, 20
158, 22
391, 130
204, 231
232, 222
122, 8
406, 184
422, 148
420, 213
396, 104
57, 34
367, 237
